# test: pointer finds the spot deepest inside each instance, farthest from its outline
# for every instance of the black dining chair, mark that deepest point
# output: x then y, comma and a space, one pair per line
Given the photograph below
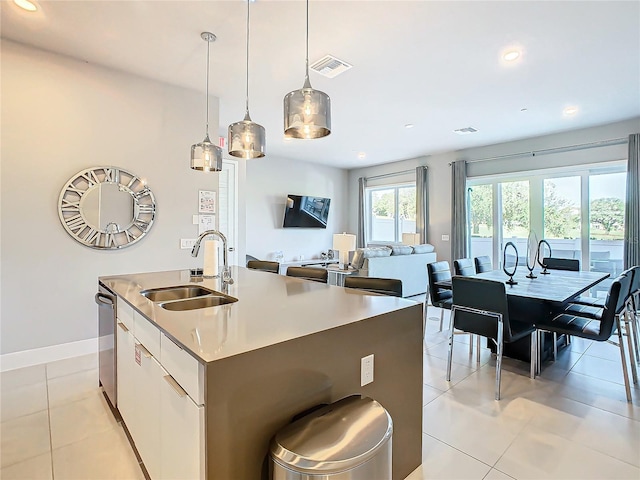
480, 307
483, 264
383, 286
264, 265
440, 295
464, 267
308, 273
568, 264
594, 325
633, 307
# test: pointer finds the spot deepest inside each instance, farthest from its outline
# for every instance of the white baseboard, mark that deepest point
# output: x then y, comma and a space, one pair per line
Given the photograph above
37, 356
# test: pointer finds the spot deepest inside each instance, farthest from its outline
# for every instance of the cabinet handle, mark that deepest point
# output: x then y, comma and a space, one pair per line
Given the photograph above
176, 386
123, 326
144, 351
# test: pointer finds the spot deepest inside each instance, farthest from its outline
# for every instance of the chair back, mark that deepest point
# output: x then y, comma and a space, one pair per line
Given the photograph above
626, 279
480, 294
635, 281
464, 267
569, 264
264, 265
250, 257
614, 298
483, 264
308, 273
438, 272
384, 286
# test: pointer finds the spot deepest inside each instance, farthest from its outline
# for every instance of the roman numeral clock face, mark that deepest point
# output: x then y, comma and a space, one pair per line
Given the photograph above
106, 208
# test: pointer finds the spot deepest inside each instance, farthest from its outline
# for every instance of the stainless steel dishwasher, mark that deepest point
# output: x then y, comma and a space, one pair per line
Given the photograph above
107, 343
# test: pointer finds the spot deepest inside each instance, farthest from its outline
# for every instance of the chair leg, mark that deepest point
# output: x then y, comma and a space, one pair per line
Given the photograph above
499, 347
555, 346
450, 353
625, 373
634, 326
478, 339
630, 341
424, 319
441, 318
534, 354
538, 351
470, 344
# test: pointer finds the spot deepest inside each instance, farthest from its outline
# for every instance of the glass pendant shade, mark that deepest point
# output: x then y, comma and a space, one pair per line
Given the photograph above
206, 157
307, 113
246, 139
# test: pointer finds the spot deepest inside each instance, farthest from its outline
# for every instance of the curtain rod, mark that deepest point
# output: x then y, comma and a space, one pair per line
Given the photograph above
394, 174
547, 151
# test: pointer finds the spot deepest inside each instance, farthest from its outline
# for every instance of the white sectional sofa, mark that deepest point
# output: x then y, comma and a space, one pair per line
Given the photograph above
399, 262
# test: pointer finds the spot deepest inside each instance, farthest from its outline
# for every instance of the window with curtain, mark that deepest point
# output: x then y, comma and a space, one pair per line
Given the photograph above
579, 211
392, 212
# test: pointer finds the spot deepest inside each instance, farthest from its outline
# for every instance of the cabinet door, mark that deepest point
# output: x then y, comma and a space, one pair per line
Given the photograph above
125, 359
182, 442
148, 375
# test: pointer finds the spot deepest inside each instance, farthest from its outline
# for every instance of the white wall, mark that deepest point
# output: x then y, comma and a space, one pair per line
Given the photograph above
60, 116
269, 181
439, 170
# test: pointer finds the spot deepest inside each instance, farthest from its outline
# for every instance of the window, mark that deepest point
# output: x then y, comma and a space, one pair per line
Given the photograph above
392, 212
579, 212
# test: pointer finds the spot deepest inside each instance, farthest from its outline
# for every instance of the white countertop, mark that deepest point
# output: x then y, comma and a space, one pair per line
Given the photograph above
270, 309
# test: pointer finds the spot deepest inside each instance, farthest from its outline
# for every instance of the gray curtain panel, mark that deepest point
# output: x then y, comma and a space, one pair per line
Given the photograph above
632, 209
422, 204
459, 239
361, 241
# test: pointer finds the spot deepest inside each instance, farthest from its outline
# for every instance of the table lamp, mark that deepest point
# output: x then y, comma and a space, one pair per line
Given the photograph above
344, 243
411, 239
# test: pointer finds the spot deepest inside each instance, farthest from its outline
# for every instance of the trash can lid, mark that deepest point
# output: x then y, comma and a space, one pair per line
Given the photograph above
334, 438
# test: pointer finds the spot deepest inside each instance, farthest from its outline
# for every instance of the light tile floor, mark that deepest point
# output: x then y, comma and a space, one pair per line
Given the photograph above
572, 422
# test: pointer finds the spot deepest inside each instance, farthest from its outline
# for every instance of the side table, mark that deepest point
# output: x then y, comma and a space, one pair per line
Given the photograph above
336, 275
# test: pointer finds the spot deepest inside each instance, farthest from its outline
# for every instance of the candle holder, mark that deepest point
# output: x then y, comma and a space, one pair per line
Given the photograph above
511, 281
544, 266
532, 253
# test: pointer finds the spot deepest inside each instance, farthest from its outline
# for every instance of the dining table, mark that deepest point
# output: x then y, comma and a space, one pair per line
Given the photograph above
530, 299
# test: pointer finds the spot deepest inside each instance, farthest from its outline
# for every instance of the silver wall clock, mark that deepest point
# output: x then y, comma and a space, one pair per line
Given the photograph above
106, 207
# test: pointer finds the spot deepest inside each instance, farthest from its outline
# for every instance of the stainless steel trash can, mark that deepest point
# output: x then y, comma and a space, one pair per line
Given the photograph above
347, 440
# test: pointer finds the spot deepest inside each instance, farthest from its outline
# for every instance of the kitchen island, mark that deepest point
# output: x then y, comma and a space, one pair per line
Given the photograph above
285, 346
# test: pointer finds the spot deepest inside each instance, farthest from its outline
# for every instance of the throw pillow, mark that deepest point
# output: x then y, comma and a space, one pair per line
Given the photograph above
424, 248
373, 252
401, 249
358, 259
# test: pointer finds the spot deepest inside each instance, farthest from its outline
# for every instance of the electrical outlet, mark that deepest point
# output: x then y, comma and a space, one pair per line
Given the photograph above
366, 370
187, 243
445, 238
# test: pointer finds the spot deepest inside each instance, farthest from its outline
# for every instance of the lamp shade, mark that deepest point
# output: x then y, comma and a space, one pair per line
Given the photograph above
344, 243
246, 139
411, 239
206, 157
307, 113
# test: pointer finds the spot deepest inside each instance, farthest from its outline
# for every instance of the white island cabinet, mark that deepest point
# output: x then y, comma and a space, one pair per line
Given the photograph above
165, 423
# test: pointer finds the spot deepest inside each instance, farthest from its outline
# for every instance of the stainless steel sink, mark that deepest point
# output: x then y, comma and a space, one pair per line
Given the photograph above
199, 302
180, 292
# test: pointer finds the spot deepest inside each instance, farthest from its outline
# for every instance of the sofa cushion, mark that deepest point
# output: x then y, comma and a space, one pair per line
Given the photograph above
424, 248
374, 252
401, 249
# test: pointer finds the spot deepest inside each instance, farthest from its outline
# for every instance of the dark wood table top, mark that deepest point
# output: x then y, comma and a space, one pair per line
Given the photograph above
559, 286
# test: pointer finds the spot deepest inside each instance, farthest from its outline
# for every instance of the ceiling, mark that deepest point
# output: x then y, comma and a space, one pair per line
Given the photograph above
434, 64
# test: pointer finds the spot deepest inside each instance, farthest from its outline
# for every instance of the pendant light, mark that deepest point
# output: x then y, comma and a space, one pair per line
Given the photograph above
246, 138
307, 112
205, 156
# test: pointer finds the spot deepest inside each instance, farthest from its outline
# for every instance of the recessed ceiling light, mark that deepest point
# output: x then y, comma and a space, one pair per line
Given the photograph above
523, 109
570, 111
409, 125
511, 55
466, 130
26, 5
362, 155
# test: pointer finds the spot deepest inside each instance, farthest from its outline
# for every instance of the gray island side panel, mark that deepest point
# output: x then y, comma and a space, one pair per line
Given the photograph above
252, 396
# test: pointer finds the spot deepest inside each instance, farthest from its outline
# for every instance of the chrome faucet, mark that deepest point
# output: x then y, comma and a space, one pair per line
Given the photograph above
226, 271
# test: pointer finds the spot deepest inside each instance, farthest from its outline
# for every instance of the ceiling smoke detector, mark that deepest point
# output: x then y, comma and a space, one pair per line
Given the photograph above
465, 131
330, 66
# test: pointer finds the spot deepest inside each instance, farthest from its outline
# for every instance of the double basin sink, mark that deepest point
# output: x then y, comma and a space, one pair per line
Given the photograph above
186, 297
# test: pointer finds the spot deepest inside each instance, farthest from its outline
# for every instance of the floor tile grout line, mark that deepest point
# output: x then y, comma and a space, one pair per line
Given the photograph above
457, 449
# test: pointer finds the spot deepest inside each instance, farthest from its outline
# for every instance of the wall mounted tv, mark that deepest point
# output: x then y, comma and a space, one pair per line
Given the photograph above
306, 212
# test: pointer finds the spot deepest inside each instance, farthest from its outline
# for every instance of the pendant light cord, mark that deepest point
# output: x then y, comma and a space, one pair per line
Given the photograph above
207, 87
247, 91
307, 59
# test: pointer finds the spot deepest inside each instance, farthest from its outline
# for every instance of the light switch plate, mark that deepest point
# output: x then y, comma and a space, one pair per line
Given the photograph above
187, 243
366, 370
445, 238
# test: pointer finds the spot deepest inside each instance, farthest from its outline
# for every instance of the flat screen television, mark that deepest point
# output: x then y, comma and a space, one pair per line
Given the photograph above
306, 212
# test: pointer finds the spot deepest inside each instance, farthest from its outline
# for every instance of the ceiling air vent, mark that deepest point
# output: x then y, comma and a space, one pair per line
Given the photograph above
330, 66
465, 131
